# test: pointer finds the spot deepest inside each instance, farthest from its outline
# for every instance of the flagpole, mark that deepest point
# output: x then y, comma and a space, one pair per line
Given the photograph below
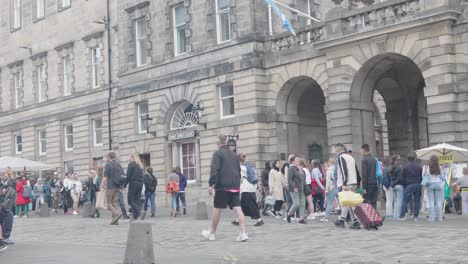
296, 11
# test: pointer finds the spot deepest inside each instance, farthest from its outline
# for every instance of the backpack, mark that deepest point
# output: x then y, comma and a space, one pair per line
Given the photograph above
172, 187
251, 174
378, 171
27, 192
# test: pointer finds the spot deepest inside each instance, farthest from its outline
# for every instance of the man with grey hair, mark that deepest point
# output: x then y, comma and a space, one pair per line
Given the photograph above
112, 182
224, 182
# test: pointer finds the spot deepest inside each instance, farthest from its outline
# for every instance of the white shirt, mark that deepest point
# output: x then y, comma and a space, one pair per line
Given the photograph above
76, 186
67, 184
245, 185
308, 178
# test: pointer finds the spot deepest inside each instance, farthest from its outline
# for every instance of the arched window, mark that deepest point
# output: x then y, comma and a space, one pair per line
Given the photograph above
184, 117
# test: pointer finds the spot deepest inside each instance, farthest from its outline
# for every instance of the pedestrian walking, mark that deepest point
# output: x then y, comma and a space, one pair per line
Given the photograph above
23, 198
369, 176
151, 183
7, 201
435, 190
331, 190
66, 189
112, 181
387, 187
411, 177
265, 182
94, 183
248, 189
289, 201
181, 194
296, 189
172, 188
135, 184
397, 185
75, 192
318, 188
308, 189
346, 180
277, 183
224, 183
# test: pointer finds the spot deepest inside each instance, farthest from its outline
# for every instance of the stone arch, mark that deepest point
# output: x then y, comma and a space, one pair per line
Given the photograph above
171, 99
302, 122
401, 83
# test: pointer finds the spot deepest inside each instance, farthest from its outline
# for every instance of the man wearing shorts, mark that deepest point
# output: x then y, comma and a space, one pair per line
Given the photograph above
225, 184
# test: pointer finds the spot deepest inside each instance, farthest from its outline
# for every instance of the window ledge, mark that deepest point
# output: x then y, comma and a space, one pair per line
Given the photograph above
137, 6
227, 117
64, 8
35, 20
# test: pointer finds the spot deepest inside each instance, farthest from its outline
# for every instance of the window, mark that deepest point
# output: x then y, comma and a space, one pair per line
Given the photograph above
95, 61
179, 30
18, 144
42, 142
67, 75
68, 167
17, 80
65, 3
188, 160
41, 83
304, 6
142, 112
141, 35
226, 95
16, 14
39, 9
97, 132
223, 21
68, 137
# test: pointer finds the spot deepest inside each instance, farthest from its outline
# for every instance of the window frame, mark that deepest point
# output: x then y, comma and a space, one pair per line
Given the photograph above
15, 138
95, 76
42, 142
221, 98
139, 117
17, 84
65, 3
176, 29
38, 9
67, 75
66, 139
17, 14
218, 23
95, 143
41, 82
139, 42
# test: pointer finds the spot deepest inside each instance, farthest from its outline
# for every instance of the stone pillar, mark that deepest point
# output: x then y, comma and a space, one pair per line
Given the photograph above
139, 249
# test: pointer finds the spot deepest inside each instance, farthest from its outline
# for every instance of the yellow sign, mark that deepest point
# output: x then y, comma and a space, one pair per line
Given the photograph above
445, 159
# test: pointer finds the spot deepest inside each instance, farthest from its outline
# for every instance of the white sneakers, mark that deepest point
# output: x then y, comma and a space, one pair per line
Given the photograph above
242, 237
75, 213
211, 237
207, 234
311, 217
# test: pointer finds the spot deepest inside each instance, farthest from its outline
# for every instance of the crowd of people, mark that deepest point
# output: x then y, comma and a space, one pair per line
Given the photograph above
301, 191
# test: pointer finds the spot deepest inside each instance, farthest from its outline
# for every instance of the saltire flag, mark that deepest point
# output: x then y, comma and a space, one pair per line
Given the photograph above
286, 24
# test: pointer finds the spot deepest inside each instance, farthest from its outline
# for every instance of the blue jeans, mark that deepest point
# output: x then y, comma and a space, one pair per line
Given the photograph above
6, 221
174, 201
290, 203
122, 203
150, 196
435, 195
181, 198
410, 190
331, 196
398, 194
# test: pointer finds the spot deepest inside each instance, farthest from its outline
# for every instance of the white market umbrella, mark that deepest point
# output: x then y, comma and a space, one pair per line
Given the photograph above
458, 154
18, 164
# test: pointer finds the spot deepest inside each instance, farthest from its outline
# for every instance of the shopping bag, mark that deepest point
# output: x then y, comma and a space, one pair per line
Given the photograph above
101, 200
350, 199
270, 200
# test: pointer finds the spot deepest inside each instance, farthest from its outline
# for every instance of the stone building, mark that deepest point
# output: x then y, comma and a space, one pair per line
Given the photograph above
392, 74
53, 82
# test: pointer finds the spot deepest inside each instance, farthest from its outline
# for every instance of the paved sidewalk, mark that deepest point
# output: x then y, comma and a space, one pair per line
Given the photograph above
73, 239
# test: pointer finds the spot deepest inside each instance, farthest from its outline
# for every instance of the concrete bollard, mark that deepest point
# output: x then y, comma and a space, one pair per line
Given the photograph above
44, 211
139, 249
86, 210
201, 213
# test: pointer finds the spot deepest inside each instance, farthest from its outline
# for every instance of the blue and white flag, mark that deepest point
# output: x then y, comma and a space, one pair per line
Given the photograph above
286, 24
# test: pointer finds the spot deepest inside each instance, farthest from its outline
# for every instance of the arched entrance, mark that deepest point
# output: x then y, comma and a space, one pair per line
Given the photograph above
303, 124
392, 84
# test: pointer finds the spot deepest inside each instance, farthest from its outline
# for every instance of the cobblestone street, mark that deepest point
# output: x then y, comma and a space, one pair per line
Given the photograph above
70, 240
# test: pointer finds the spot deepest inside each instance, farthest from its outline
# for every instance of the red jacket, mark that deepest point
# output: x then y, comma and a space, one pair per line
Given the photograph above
20, 199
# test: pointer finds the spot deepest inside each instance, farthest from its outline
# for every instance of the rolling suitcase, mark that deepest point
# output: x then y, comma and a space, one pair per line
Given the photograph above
368, 216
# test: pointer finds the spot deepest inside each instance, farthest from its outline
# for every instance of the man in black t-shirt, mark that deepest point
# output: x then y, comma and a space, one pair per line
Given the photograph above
112, 183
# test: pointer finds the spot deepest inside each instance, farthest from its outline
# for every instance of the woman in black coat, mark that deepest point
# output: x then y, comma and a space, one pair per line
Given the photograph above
135, 184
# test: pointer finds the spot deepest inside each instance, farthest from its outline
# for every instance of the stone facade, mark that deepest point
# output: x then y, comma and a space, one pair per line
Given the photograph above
390, 73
